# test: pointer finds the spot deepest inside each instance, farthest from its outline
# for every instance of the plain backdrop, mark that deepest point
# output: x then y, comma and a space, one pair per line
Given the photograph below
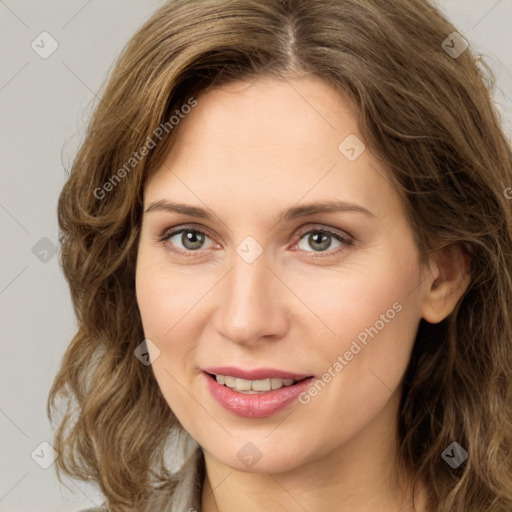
44, 106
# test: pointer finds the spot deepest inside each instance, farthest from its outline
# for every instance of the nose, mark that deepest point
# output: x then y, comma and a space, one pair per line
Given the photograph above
252, 304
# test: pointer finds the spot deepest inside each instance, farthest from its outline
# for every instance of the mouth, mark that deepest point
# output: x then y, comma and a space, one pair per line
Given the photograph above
258, 386
255, 393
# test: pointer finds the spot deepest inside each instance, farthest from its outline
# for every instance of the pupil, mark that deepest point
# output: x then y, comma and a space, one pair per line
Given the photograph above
324, 240
193, 238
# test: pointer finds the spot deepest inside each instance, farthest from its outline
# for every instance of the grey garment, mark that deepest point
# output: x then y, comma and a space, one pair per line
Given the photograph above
181, 494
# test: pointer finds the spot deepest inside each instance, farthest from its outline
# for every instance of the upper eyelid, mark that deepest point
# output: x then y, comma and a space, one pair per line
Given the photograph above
177, 229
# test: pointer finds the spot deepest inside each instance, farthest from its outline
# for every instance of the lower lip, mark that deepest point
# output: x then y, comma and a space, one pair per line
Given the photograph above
258, 405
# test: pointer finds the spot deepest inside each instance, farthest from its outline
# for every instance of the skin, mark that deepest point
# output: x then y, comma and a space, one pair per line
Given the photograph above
248, 151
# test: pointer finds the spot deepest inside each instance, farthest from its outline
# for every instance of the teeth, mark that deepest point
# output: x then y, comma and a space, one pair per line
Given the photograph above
261, 385
252, 386
243, 385
230, 382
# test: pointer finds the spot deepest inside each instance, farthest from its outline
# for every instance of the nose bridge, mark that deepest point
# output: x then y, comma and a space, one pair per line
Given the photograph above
248, 308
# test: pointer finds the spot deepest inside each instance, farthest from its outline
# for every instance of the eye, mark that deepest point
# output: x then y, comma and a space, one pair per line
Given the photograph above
191, 240
321, 239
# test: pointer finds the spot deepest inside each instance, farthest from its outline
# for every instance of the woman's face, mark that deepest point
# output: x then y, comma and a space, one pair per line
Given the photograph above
264, 286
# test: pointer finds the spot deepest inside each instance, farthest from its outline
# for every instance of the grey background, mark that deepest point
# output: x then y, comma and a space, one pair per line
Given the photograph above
44, 104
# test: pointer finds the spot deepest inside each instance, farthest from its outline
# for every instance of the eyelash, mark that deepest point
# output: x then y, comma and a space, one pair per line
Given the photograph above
348, 242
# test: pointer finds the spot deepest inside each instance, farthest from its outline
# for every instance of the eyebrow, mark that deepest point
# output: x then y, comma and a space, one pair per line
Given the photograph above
286, 216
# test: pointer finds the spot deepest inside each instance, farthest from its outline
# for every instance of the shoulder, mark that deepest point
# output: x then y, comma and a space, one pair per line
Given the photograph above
181, 493
101, 508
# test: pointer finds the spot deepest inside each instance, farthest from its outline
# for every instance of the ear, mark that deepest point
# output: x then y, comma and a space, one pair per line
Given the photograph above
448, 280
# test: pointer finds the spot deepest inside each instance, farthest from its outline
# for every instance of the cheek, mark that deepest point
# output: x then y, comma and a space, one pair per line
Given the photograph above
374, 317
370, 313
164, 300
167, 298
171, 303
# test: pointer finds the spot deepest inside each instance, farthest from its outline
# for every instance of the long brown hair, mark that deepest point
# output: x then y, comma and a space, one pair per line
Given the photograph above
426, 113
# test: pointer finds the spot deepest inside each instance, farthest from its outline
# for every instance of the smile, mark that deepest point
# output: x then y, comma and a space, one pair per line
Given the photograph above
255, 397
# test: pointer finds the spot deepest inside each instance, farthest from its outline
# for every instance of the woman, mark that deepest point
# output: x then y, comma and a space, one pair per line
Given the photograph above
288, 240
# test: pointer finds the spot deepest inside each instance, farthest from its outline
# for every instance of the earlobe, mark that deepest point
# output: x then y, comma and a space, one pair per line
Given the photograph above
449, 279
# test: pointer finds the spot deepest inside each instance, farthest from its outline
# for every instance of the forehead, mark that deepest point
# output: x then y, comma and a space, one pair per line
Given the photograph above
269, 141
270, 114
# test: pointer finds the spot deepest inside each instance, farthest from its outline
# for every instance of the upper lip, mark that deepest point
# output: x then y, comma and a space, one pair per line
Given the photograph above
256, 373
